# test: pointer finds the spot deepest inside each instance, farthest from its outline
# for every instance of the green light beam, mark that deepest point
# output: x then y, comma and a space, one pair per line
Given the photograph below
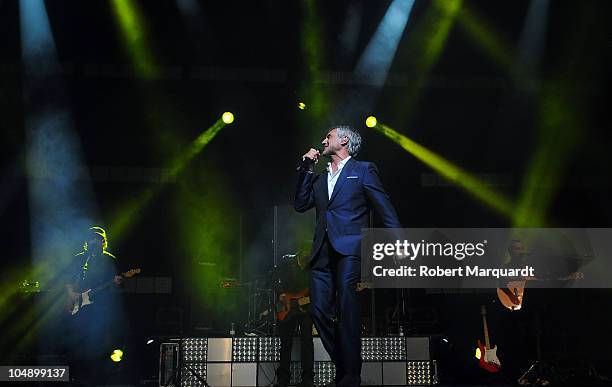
564, 117
426, 46
558, 138
443, 15
451, 172
492, 42
134, 34
129, 212
196, 147
312, 90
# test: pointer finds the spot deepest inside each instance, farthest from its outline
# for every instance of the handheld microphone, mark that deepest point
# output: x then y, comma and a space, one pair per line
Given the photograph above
307, 162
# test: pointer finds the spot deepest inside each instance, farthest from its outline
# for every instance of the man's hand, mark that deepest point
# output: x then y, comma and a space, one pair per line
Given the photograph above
312, 154
118, 280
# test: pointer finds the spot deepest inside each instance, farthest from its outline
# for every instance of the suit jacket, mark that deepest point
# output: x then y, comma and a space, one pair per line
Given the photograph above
357, 190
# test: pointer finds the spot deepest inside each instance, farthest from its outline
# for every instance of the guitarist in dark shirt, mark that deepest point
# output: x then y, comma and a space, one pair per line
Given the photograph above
93, 267
94, 328
293, 292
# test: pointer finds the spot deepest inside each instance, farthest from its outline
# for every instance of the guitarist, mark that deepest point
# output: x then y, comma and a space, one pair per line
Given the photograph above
293, 281
94, 330
93, 266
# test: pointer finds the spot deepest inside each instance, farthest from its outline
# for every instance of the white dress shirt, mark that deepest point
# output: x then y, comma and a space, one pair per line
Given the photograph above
332, 178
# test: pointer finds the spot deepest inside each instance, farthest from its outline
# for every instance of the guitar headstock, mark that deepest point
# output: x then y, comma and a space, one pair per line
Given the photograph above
131, 273
227, 284
364, 285
483, 310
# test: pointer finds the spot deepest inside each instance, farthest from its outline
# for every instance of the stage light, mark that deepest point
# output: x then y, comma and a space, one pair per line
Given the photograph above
56, 178
371, 121
134, 31
543, 175
117, 355
486, 36
129, 212
311, 88
150, 341
426, 45
302, 106
227, 117
377, 57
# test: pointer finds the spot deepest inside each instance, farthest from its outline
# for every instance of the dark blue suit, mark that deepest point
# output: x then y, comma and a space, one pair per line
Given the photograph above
335, 262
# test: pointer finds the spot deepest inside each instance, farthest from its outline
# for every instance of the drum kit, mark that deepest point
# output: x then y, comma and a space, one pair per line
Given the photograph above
262, 300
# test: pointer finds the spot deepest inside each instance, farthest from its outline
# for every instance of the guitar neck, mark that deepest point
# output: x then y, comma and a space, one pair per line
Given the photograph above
111, 282
102, 287
486, 331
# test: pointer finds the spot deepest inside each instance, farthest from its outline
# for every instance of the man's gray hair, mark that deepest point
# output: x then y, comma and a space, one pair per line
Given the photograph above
354, 138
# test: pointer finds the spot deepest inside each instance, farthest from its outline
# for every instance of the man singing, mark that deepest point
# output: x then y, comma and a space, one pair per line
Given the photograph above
343, 198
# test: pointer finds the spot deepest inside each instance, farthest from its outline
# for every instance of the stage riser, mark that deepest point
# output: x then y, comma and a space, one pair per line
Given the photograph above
252, 361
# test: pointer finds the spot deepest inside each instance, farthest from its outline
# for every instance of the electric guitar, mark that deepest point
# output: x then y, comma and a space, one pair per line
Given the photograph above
511, 296
86, 298
487, 356
302, 299
298, 300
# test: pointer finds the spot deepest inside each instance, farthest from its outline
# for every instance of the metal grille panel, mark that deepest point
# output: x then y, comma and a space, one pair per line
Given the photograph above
194, 350
419, 373
188, 379
372, 349
394, 349
269, 349
244, 349
324, 372
296, 372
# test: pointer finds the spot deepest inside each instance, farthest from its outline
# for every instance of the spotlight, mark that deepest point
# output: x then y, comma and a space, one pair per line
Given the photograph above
380, 51
150, 341
227, 117
116, 355
302, 106
371, 121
